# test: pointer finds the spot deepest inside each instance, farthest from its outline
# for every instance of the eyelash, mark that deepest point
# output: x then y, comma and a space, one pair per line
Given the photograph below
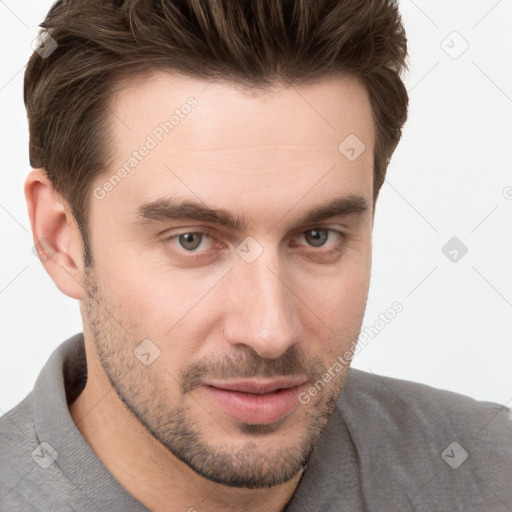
192, 255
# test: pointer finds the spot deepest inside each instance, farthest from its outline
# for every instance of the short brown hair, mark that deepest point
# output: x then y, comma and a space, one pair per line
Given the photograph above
256, 43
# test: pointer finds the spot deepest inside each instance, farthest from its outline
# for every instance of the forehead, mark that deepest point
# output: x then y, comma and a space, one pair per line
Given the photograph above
332, 107
219, 143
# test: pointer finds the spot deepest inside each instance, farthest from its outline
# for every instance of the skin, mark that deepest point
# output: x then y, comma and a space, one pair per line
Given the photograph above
266, 156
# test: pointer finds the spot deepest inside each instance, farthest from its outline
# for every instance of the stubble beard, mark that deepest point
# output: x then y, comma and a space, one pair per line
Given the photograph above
143, 391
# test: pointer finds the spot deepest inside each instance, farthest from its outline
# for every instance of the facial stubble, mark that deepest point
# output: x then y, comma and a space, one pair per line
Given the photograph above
144, 390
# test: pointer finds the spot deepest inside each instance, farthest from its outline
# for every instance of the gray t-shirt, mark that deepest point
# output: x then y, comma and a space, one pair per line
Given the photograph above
390, 445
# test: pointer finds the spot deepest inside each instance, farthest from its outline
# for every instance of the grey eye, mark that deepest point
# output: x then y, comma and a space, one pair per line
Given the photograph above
316, 237
190, 241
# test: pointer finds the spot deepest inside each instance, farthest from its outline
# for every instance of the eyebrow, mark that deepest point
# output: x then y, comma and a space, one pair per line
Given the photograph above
170, 208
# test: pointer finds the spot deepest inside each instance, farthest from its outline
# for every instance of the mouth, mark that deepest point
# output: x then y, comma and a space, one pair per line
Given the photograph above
256, 402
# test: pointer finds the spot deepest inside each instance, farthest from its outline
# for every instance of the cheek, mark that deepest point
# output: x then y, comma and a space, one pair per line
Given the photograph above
341, 304
335, 306
350, 292
172, 308
341, 289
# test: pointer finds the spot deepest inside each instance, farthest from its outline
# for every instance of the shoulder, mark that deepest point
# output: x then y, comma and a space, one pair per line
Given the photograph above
431, 445
31, 476
18, 439
17, 428
397, 401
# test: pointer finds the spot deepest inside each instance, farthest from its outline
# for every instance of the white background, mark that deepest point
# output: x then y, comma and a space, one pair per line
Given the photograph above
448, 177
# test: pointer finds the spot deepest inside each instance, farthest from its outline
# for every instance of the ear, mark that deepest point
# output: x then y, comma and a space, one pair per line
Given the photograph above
57, 238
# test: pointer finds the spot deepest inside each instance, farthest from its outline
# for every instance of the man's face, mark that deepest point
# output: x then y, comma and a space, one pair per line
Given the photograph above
210, 327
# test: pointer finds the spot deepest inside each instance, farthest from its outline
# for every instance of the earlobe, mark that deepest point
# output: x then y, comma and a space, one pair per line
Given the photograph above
55, 233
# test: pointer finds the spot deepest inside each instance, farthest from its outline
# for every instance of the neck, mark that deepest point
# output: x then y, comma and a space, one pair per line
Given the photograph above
144, 467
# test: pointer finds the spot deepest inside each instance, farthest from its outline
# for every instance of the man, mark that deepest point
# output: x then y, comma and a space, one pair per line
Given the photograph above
205, 180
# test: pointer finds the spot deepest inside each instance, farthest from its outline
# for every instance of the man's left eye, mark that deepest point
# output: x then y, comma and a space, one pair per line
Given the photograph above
318, 237
191, 241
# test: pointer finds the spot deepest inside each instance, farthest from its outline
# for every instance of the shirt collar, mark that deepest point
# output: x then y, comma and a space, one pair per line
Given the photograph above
53, 424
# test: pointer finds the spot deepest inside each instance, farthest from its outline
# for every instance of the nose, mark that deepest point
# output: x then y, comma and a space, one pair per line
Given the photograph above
262, 309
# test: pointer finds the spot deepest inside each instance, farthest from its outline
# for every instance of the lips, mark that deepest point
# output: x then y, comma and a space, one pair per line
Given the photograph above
258, 387
255, 401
